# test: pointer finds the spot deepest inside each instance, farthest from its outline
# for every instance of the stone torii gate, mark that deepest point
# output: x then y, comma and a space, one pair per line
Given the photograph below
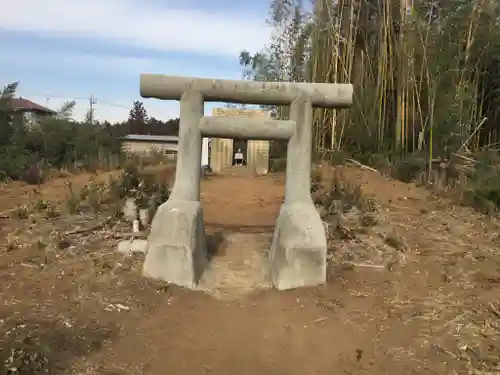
176, 244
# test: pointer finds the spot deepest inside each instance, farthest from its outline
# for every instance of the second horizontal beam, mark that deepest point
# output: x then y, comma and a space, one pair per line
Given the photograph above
244, 128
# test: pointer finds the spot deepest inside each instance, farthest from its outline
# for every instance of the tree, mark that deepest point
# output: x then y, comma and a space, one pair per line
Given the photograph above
422, 70
259, 66
6, 96
138, 118
58, 142
66, 111
6, 126
138, 113
89, 116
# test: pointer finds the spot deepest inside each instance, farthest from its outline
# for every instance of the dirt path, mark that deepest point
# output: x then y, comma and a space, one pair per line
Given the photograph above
419, 314
239, 219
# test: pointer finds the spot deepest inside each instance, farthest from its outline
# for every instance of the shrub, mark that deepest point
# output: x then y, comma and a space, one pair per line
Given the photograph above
277, 165
483, 188
408, 169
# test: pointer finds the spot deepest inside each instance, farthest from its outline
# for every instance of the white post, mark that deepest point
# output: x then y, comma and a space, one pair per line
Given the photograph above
204, 152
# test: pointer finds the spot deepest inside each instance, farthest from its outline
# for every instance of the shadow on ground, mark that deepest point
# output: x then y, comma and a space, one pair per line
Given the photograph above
215, 244
257, 229
48, 347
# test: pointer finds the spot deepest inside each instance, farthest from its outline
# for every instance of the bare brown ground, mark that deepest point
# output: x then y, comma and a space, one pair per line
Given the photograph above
431, 310
56, 189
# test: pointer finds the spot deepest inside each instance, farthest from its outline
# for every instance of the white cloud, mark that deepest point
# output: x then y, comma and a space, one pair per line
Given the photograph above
129, 23
124, 69
115, 65
137, 23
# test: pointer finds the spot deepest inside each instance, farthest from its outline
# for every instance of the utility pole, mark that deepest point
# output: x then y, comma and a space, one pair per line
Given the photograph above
90, 114
92, 101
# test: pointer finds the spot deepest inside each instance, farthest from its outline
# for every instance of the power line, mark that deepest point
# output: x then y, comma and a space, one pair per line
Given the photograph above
96, 100
90, 102
105, 102
99, 101
49, 95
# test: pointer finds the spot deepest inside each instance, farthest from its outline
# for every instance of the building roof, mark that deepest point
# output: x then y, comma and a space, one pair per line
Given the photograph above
21, 104
151, 138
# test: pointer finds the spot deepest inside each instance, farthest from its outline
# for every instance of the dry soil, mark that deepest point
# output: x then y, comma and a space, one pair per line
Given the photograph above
416, 292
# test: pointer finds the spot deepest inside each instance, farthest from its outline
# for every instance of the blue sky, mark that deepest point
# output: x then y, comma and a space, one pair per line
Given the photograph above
63, 50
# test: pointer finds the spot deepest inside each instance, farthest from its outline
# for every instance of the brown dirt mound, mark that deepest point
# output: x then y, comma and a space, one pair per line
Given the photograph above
414, 292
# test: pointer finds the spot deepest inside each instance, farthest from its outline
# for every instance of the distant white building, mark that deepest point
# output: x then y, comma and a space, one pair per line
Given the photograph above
140, 144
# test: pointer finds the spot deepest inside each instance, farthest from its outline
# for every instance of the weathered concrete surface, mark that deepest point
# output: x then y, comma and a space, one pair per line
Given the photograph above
257, 155
187, 172
177, 248
299, 149
254, 129
176, 245
298, 252
323, 95
129, 247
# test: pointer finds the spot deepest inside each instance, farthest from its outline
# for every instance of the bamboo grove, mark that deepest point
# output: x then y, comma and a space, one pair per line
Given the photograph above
426, 73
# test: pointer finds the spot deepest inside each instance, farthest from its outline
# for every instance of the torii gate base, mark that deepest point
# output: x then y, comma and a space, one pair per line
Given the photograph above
176, 245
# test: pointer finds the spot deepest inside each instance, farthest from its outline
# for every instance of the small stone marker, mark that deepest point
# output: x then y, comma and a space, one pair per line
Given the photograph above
130, 209
132, 246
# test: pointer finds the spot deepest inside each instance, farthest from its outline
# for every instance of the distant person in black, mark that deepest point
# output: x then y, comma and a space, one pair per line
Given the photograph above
238, 158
